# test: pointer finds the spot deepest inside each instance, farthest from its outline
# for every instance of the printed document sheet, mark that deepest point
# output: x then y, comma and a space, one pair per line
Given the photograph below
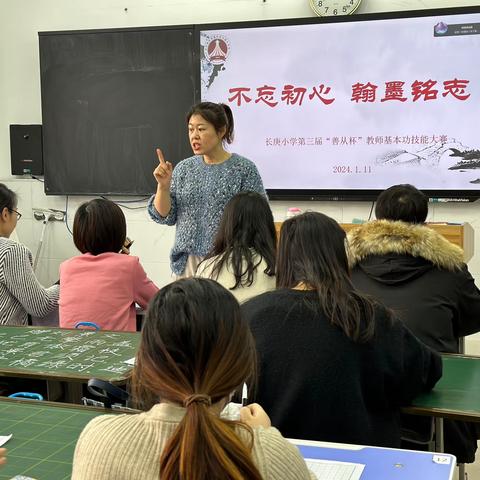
5, 439
331, 470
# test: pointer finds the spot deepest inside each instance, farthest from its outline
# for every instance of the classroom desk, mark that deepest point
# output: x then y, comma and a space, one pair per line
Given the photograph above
72, 356
44, 437
45, 434
382, 463
456, 395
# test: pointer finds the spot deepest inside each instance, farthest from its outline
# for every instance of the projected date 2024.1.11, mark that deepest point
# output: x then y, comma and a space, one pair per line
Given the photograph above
345, 169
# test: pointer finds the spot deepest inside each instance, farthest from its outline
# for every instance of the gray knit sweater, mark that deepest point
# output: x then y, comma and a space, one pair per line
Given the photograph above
128, 447
199, 193
20, 291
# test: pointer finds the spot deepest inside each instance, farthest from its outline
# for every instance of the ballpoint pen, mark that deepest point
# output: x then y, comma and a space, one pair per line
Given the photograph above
244, 395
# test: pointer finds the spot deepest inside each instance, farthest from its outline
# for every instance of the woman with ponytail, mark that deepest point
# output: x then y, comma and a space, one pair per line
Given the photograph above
194, 194
196, 349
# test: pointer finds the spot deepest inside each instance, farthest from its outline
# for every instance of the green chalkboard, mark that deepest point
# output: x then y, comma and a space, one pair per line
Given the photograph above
44, 437
109, 98
63, 354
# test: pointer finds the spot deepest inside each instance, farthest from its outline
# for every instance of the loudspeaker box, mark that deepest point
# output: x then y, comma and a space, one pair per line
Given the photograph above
26, 149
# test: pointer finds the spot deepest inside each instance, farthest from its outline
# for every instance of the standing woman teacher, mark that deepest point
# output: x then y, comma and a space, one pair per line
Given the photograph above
194, 194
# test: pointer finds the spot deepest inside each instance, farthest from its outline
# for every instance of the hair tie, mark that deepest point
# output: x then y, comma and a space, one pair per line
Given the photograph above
197, 398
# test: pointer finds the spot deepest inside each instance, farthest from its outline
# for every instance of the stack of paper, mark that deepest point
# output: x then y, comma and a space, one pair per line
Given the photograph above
331, 470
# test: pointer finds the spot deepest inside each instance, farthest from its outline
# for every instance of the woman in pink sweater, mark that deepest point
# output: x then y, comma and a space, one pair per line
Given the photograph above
102, 285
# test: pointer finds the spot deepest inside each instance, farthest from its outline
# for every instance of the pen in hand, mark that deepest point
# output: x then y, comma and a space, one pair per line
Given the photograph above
244, 395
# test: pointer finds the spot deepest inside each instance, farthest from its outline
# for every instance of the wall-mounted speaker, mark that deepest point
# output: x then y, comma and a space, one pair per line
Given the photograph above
26, 149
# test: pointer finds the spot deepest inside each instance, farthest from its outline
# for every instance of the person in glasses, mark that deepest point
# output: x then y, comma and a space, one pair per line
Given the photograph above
21, 293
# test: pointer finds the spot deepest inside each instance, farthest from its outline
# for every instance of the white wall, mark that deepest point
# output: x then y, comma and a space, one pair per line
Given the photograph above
20, 20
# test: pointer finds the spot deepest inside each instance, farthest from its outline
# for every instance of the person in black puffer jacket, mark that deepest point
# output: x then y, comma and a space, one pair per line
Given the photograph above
422, 277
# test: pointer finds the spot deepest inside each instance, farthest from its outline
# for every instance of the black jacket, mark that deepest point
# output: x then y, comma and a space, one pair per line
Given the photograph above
421, 276
316, 383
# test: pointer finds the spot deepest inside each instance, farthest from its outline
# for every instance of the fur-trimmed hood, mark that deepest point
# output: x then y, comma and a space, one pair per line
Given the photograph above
384, 238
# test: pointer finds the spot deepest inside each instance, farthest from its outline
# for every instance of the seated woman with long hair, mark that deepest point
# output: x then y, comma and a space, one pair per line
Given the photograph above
243, 255
334, 365
196, 349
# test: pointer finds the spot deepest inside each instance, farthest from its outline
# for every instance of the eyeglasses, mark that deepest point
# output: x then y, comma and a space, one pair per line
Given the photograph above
19, 215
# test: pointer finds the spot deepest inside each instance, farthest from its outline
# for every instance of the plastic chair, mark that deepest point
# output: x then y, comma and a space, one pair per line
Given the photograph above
88, 325
27, 395
420, 436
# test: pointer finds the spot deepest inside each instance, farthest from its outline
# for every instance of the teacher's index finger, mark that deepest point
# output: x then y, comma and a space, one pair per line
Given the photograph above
160, 156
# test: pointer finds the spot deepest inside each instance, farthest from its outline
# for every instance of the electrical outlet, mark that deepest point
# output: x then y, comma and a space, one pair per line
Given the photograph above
38, 215
59, 215
50, 214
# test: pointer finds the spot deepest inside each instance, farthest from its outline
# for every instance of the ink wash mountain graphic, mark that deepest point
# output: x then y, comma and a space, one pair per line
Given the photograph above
209, 71
469, 159
435, 155
215, 71
213, 54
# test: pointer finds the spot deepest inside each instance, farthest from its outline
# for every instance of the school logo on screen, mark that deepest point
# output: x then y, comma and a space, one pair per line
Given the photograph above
440, 28
217, 50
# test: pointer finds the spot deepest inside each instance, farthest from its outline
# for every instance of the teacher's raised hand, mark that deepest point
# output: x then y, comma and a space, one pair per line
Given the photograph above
211, 173
163, 172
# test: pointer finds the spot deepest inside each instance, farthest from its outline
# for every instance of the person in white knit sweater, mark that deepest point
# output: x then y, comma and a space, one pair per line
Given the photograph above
21, 293
243, 255
196, 349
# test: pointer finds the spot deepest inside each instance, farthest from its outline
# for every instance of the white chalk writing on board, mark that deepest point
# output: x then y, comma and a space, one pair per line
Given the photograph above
114, 369
83, 348
55, 349
79, 367
53, 365
56, 346
38, 354
23, 362
110, 351
123, 343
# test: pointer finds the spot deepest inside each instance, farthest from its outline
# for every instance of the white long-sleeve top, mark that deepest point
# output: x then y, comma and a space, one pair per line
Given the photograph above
261, 281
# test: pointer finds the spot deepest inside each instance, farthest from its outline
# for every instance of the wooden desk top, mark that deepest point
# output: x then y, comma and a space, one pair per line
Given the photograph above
457, 393
64, 354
